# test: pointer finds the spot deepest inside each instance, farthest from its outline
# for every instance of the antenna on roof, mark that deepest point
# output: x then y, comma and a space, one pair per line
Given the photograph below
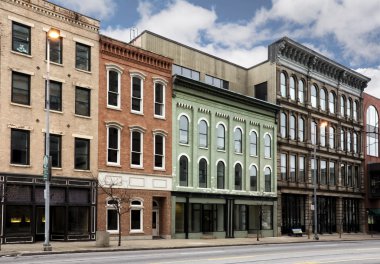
133, 33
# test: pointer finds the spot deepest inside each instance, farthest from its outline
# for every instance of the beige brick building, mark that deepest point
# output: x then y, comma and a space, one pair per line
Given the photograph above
73, 120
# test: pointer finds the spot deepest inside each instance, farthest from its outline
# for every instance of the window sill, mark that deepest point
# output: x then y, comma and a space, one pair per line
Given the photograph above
136, 232
238, 153
55, 111
55, 63
56, 168
79, 170
159, 169
21, 105
82, 116
268, 158
205, 148
109, 164
137, 113
160, 117
114, 108
21, 54
221, 150
113, 231
84, 71
253, 156
137, 167
20, 165
184, 144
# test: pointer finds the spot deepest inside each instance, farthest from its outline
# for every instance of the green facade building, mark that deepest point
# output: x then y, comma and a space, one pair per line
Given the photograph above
224, 163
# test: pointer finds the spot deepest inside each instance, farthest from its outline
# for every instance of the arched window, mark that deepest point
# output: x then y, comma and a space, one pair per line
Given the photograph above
203, 134
283, 128
183, 130
292, 88
322, 136
267, 146
238, 139
220, 141
301, 129
332, 102
355, 143
113, 84
322, 99
203, 173
253, 144
113, 206
220, 170
342, 136
113, 145
136, 215
313, 131
292, 127
283, 84
342, 105
355, 111
253, 178
238, 177
301, 91
314, 96
348, 141
159, 99
372, 130
137, 94
183, 171
349, 107
332, 137
136, 148
268, 179
159, 151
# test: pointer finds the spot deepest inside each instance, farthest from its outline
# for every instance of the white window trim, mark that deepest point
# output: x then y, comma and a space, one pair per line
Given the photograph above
242, 139
120, 72
141, 147
141, 209
271, 178
142, 78
163, 97
109, 208
257, 143
118, 146
271, 145
163, 151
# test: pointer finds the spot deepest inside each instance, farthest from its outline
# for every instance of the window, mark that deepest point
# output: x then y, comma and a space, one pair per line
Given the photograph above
20, 38
349, 175
183, 130
292, 127
331, 137
284, 121
112, 215
342, 105
292, 88
314, 170
253, 178
203, 173
82, 101
301, 129
332, 173
55, 150
322, 99
349, 107
183, 171
261, 91
343, 173
55, 50
342, 136
159, 99
332, 102
20, 147
301, 169
20, 88
203, 134
253, 144
348, 141
82, 154
238, 177
185, 72
114, 87
220, 137
323, 179
301, 91
113, 145
216, 82
238, 139
313, 133
292, 167
355, 111
159, 151
83, 57
355, 143
268, 179
137, 94
267, 146
356, 176
220, 171
314, 96
284, 166
322, 132
55, 95
372, 130
283, 84
136, 216
136, 148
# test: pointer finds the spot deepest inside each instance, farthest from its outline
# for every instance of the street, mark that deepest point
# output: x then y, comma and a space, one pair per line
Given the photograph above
366, 251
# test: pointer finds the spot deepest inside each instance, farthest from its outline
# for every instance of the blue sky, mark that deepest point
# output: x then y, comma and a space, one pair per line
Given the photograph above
347, 31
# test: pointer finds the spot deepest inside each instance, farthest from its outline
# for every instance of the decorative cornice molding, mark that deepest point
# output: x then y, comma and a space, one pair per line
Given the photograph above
218, 114
268, 126
203, 110
253, 123
239, 119
185, 106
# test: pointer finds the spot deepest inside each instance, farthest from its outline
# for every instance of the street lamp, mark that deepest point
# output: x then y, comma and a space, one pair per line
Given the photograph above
316, 237
53, 34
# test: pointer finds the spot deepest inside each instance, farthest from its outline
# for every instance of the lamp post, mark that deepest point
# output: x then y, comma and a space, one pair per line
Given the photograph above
52, 35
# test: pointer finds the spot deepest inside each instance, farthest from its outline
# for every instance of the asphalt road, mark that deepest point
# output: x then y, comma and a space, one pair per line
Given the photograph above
358, 252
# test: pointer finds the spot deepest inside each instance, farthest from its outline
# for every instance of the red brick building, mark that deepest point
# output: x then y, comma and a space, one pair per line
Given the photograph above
372, 161
135, 140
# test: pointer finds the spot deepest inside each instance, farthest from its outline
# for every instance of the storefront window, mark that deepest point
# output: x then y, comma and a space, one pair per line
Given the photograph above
18, 220
78, 223
195, 218
240, 217
266, 217
180, 218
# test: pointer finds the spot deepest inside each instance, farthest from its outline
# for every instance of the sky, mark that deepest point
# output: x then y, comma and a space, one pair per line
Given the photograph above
346, 31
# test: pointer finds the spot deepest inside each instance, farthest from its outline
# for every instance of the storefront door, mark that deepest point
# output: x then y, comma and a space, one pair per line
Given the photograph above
155, 222
40, 223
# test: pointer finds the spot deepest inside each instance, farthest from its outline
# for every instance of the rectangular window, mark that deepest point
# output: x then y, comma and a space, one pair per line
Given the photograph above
113, 155
332, 173
179, 70
267, 217
301, 169
292, 161
284, 165
82, 101
20, 146
179, 217
136, 150
55, 150
261, 91
136, 219
55, 50
159, 151
356, 176
82, 154
216, 82
343, 174
349, 175
55, 95
323, 172
20, 38
159, 100
137, 94
82, 57
20, 88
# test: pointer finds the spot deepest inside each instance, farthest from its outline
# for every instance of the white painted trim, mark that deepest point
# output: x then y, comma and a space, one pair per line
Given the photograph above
203, 157
21, 21
183, 154
83, 41
113, 66
52, 78
118, 144
222, 160
141, 148
137, 73
221, 123
163, 150
141, 111
163, 97
82, 136
118, 106
22, 71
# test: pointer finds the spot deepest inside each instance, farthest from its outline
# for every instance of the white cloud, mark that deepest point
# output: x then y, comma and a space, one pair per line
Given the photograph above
99, 9
374, 85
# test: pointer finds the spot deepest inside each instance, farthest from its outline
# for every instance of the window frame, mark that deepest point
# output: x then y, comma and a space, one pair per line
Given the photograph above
141, 99
253, 178
86, 104
183, 170
118, 91
301, 91
88, 60
204, 171
284, 125
59, 137
267, 148
161, 104
219, 138
139, 208
29, 39
292, 88
314, 98
218, 176
332, 102
88, 160
322, 99
238, 140
132, 151
51, 82
27, 146
202, 134
118, 129
28, 88
268, 180
112, 208
253, 143
184, 130
52, 48
238, 173
163, 151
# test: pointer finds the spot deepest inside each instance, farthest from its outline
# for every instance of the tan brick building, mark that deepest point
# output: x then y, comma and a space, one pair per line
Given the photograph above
135, 141
73, 120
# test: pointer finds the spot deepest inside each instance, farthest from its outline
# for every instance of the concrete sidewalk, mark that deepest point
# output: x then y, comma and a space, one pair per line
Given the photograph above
89, 246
